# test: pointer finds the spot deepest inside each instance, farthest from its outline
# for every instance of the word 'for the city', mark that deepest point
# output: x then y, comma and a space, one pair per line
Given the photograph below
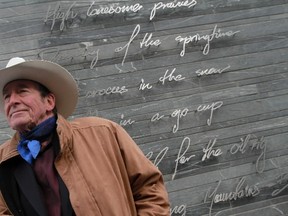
211, 151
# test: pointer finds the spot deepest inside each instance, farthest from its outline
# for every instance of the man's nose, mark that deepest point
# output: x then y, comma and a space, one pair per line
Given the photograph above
13, 98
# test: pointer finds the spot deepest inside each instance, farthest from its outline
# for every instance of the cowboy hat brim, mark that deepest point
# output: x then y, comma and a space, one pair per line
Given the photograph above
53, 76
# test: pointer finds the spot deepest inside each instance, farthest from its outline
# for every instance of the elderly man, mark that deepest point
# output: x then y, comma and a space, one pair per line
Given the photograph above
52, 166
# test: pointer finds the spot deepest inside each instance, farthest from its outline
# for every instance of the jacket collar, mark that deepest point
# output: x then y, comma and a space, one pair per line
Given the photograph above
64, 131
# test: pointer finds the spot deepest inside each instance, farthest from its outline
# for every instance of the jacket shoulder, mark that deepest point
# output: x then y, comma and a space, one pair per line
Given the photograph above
8, 149
3, 148
85, 122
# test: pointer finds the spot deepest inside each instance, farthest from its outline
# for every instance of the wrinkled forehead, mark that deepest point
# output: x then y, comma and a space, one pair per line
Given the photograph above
18, 84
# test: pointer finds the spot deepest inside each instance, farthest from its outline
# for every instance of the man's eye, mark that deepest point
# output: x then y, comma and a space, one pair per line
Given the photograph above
22, 90
6, 97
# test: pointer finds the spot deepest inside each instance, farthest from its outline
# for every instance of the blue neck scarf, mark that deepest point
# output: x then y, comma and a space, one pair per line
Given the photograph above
29, 145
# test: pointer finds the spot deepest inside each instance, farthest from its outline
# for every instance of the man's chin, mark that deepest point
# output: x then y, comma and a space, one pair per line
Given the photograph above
22, 125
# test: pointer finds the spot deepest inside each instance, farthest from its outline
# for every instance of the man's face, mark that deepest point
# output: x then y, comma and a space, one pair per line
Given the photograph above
24, 106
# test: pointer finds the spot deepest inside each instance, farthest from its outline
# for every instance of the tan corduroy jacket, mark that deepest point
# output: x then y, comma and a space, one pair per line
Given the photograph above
104, 170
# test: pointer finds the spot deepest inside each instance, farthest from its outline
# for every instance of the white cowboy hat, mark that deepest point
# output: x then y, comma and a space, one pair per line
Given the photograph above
53, 76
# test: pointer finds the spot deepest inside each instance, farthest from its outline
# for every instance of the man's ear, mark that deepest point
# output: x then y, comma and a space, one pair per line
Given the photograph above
51, 101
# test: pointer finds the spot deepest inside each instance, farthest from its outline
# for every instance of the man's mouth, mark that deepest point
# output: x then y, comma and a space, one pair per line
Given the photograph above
16, 112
